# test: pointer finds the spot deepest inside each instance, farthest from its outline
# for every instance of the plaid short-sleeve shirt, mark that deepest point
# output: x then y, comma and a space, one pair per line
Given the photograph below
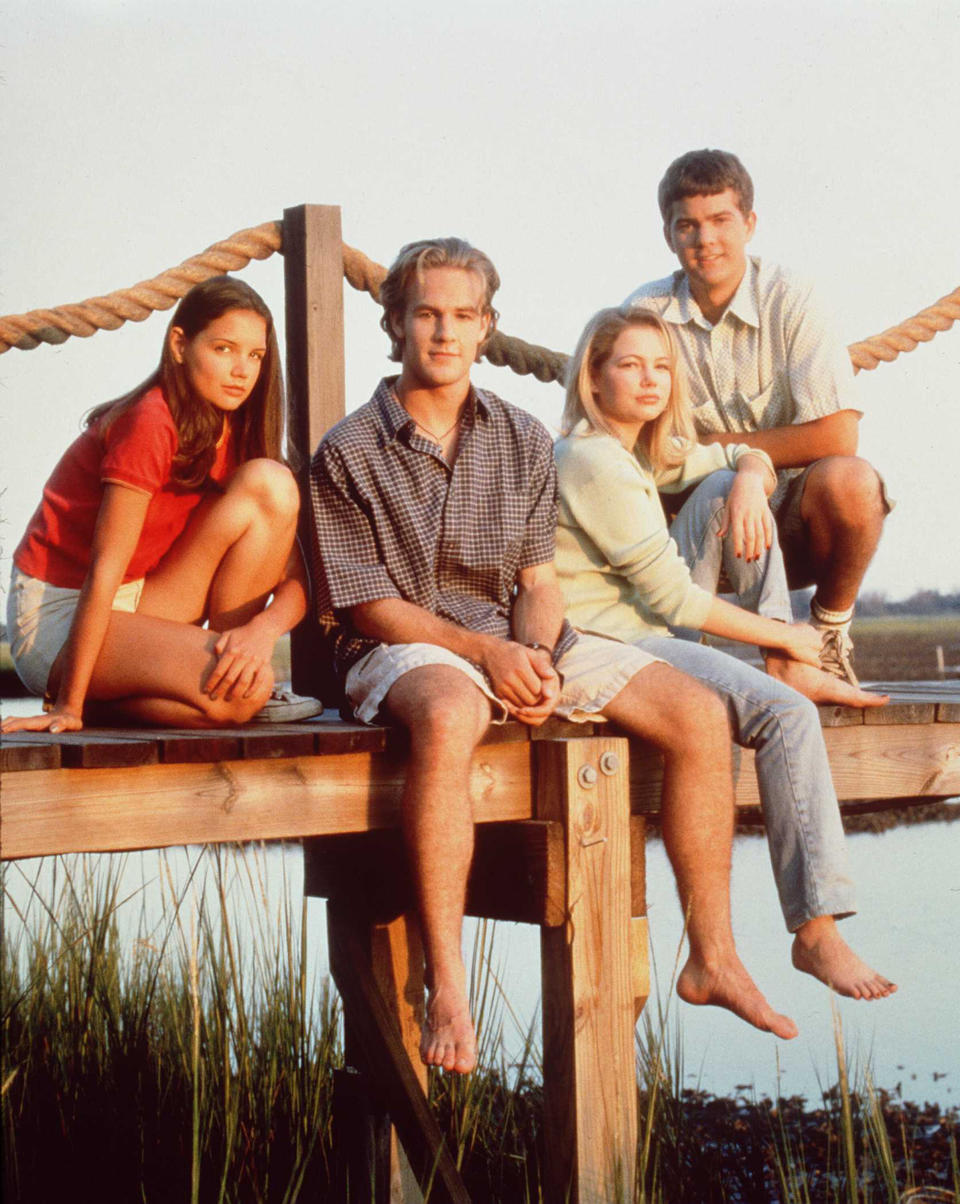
391, 519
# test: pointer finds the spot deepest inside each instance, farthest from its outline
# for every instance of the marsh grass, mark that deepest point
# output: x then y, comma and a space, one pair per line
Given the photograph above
194, 1062
176, 1068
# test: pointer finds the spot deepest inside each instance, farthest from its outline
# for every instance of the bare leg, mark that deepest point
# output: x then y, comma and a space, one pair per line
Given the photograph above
153, 670
687, 722
843, 511
820, 950
153, 664
445, 715
819, 686
232, 553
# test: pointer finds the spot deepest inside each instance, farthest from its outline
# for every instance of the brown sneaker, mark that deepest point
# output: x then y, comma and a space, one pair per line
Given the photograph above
835, 652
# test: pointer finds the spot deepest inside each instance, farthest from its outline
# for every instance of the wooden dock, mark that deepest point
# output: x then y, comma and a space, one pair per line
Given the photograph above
560, 812
561, 818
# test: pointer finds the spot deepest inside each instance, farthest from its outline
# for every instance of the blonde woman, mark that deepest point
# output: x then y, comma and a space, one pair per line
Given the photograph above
627, 432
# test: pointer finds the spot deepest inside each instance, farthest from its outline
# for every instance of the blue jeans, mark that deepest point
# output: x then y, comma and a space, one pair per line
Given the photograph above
760, 585
800, 810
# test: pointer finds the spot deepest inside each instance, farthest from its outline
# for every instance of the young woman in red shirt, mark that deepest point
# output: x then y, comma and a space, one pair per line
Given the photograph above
161, 566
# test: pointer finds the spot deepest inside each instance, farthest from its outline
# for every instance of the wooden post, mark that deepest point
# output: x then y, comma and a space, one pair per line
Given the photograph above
313, 277
590, 1083
366, 1141
381, 1027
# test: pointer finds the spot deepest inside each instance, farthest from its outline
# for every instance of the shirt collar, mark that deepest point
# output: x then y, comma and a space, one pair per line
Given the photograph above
397, 419
681, 308
743, 304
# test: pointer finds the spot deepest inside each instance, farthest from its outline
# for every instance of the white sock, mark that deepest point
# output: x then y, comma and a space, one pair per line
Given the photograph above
822, 617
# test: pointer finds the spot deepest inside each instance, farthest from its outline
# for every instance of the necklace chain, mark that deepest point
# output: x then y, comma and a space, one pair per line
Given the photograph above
433, 435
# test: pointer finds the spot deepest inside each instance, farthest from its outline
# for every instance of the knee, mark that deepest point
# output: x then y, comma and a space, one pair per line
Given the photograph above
698, 718
226, 712
848, 488
271, 486
710, 496
787, 704
451, 723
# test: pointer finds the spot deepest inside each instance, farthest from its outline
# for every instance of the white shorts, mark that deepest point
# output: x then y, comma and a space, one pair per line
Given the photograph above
594, 671
39, 616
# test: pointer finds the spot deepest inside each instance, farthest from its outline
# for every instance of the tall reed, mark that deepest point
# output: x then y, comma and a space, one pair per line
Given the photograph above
176, 1067
194, 1061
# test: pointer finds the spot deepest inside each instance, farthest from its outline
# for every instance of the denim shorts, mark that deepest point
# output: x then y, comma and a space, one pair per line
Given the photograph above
594, 671
39, 616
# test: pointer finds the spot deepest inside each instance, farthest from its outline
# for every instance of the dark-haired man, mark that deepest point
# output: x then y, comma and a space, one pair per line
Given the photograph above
764, 367
434, 519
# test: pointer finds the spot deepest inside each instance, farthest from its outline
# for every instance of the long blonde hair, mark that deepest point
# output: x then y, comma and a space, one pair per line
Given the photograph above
666, 440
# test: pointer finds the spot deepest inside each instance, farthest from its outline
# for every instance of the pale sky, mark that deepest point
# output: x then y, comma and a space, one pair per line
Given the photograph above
136, 134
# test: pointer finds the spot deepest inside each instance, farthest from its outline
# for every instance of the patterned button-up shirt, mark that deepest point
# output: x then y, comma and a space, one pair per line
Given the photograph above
392, 519
773, 358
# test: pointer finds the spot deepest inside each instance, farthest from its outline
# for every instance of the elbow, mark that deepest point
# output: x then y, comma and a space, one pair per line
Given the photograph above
846, 434
365, 618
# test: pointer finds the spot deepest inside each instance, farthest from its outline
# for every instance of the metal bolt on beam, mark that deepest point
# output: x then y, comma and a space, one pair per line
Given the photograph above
609, 763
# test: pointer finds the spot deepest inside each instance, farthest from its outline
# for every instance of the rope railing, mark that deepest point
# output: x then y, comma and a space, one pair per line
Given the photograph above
29, 330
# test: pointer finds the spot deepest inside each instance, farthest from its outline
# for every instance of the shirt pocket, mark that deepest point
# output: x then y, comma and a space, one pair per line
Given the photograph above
761, 411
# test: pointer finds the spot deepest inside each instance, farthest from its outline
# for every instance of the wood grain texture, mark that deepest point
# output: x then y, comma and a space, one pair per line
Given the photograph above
151, 806
589, 977
313, 286
380, 1046
867, 761
20, 754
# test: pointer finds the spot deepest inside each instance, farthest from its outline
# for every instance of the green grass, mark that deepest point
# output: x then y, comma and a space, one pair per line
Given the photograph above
188, 1064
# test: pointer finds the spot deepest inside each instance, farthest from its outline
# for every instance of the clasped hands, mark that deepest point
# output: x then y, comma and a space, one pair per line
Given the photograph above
524, 680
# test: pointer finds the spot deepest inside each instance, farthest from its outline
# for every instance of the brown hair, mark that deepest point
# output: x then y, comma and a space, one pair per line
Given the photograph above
705, 173
666, 440
259, 430
414, 259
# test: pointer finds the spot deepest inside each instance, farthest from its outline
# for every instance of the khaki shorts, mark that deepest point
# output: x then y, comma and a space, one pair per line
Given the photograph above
39, 616
792, 530
594, 671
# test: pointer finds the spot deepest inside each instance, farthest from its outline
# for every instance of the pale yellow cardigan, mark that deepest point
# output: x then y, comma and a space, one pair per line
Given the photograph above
621, 573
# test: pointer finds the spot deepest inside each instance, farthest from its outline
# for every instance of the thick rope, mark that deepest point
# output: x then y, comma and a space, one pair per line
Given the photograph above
919, 329
26, 331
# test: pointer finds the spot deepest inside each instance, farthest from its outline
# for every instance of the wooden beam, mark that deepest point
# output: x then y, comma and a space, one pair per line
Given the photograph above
151, 806
518, 872
384, 1054
376, 1168
589, 971
313, 278
867, 760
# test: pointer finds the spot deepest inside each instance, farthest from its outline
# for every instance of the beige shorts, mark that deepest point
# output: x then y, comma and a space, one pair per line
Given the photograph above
594, 671
39, 616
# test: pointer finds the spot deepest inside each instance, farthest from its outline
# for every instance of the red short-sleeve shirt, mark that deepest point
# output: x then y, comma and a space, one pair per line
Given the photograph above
137, 450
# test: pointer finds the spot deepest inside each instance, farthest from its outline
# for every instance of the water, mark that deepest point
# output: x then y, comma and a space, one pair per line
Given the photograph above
908, 881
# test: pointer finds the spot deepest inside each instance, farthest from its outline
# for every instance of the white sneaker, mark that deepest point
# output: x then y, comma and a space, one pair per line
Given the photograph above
284, 706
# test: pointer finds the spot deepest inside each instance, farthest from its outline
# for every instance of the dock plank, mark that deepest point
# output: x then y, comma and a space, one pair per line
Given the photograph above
155, 805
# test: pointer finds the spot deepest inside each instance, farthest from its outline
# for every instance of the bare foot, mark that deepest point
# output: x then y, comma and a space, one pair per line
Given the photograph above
730, 986
820, 950
819, 686
448, 1038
